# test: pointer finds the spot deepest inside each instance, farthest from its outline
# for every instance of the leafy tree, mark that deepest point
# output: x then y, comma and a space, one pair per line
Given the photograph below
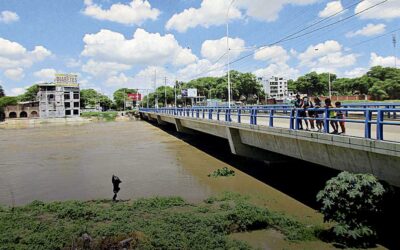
313, 83
8, 100
30, 94
121, 95
2, 91
377, 92
352, 201
90, 97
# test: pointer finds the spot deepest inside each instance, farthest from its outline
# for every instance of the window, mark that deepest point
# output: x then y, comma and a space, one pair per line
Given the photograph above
67, 112
66, 96
67, 105
76, 111
76, 95
76, 104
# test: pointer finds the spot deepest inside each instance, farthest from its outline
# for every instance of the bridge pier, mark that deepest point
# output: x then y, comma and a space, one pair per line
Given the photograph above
239, 148
182, 129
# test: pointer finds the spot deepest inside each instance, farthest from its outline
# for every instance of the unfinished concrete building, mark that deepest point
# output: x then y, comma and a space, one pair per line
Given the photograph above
61, 98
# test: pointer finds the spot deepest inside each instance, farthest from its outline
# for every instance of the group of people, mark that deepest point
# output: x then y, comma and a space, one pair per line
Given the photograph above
316, 116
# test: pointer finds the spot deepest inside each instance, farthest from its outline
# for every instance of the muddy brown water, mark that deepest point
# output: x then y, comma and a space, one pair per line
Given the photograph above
77, 162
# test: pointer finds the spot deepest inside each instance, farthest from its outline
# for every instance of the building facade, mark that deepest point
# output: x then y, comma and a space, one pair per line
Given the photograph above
61, 98
275, 87
22, 110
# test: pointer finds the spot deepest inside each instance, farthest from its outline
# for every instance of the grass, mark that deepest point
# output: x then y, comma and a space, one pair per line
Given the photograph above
154, 223
107, 116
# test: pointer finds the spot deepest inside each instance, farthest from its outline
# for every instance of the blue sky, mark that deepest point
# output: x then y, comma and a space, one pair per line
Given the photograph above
112, 44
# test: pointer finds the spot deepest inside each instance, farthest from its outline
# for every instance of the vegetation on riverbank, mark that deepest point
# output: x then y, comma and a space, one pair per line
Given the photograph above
107, 116
161, 223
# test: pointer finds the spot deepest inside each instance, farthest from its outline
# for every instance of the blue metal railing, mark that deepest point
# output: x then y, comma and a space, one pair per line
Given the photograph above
370, 115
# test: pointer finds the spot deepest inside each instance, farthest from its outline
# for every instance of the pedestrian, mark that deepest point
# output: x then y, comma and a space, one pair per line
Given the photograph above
305, 106
308, 104
298, 105
318, 114
115, 181
331, 115
340, 115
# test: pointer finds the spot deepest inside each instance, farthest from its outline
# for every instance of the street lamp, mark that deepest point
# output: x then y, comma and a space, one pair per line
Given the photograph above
227, 45
329, 78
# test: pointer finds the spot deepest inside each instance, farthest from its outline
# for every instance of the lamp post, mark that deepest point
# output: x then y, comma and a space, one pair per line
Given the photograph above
227, 45
329, 79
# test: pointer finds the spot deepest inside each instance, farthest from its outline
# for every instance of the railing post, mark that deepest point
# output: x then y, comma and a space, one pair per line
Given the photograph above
238, 115
218, 110
388, 113
255, 116
297, 122
326, 121
379, 125
367, 131
197, 113
204, 112
394, 112
271, 118
192, 111
291, 120
210, 111
251, 116
229, 115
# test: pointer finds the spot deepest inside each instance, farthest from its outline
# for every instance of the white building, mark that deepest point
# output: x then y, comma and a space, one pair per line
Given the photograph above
275, 87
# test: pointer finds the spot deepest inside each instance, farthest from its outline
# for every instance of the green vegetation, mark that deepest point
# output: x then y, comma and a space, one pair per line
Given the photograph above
379, 82
121, 95
107, 116
222, 172
353, 202
154, 223
90, 98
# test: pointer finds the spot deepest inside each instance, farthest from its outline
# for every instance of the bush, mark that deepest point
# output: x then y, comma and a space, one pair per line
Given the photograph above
222, 172
352, 200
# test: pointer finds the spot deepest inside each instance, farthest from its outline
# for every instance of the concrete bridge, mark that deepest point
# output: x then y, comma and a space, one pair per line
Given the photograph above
267, 138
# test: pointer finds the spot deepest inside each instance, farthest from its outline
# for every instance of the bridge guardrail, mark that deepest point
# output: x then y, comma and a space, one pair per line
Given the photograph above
291, 113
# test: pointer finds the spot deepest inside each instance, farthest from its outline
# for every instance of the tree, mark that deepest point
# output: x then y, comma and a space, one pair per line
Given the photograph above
313, 83
352, 201
30, 94
1, 92
121, 95
6, 101
90, 98
377, 92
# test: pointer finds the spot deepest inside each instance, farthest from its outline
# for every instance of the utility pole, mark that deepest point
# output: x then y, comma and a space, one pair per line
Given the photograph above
229, 62
176, 83
155, 89
165, 91
394, 48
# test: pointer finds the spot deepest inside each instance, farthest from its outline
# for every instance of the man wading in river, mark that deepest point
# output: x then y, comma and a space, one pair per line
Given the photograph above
115, 181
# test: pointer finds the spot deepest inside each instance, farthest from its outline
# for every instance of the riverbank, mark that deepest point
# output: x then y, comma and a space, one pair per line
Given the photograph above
161, 222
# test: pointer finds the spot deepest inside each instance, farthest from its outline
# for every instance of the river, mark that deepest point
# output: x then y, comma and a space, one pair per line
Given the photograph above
77, 162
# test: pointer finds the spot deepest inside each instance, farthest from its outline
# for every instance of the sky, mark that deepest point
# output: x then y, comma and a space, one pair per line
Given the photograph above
148, 43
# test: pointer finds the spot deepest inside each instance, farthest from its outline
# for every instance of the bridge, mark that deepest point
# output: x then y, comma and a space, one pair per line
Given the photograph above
371, 144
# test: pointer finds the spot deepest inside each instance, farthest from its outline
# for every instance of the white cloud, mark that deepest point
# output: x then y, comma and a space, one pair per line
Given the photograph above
387, 10
272, 54
214, 12
120, 80
201, 68
369, 30
104, 68
211, 12
278, 69
143, 49
14, 74
136, 12
377, 60
214, 49
331, 9
13, 55
45, 75
327, 56
72, 63
17, 91
356, 72
8, 17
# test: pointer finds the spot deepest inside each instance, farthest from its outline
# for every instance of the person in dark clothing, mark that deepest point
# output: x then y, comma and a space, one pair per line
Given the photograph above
115, 181
299, 104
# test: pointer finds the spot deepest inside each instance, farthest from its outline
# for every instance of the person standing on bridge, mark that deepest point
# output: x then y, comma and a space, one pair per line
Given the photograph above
298, 105
115, 181
340, 115
318, 114
331, 115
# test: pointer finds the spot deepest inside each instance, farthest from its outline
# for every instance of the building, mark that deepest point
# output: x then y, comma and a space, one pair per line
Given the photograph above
22, 110
61, 98
275, 87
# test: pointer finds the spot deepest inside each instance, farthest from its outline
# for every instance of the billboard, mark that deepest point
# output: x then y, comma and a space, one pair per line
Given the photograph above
135, 96
70, 80
192, 92
184, 92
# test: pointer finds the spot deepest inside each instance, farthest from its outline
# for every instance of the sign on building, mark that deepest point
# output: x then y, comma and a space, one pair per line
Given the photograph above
66, 80
192, 92
184, 92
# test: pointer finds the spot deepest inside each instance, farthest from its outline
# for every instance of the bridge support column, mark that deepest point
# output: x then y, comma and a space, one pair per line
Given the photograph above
182, 129
239, 148
159, 121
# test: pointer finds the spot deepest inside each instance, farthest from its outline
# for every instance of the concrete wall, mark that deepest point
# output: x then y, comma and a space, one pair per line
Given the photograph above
352, 154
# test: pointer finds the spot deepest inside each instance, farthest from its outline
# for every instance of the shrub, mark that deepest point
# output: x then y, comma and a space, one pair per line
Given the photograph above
352, 200
222, 172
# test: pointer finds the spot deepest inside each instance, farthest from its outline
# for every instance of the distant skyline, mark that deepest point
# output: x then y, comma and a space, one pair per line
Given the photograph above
113, 44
